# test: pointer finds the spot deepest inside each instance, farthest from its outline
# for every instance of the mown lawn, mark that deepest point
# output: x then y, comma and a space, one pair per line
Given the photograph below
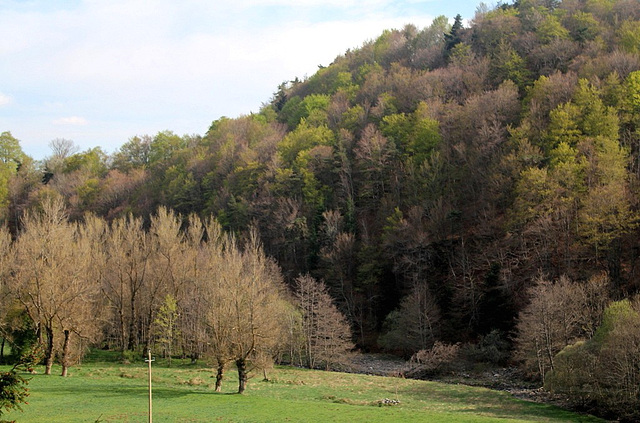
103, 391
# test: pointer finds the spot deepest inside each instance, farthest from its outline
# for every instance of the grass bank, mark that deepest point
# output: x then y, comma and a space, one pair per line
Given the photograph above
108, 391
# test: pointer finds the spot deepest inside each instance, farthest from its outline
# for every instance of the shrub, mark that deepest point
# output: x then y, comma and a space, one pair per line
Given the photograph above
605, 370
435, 360
493, 348
13, 387
414, 325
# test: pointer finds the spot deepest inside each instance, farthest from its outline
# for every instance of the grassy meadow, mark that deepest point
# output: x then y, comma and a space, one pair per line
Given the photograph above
108, 391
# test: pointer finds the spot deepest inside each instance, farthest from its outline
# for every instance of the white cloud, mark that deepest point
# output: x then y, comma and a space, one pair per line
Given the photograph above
131, 67
363, 5
71, 120
5, 99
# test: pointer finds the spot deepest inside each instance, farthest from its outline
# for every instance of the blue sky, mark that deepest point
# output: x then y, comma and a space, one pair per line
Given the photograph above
99, 72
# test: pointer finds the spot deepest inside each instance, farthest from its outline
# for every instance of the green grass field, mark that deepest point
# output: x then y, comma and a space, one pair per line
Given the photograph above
112, 392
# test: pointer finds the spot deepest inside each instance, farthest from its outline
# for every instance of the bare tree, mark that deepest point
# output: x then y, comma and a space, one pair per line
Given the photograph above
246, 306
55, 278
559, 314
192, 304
258, 307
6, 299
128, 250
44, 243
62, 148
327, 334
223, 267
81, 314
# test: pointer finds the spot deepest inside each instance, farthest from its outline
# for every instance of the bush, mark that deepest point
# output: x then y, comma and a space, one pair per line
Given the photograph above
13, 387
22, 337
492, 348
436, 360
414, 325
605, 370
129, 356
571, 375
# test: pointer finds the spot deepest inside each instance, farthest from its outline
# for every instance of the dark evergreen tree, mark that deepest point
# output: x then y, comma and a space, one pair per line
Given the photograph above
453, 37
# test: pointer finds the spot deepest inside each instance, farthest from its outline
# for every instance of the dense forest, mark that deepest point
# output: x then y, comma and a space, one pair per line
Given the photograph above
451, 184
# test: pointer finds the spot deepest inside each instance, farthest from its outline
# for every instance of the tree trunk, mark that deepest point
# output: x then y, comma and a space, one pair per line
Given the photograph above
123, 331
132, 323
48, 354
241, 363
2, 352
219, 377
309, 348
613, 262
65, 353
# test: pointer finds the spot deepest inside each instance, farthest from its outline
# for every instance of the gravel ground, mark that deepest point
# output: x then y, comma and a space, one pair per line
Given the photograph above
507, 379
502, 379
377, 364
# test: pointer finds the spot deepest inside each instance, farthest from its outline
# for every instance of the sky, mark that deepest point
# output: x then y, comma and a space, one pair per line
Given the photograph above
99, 72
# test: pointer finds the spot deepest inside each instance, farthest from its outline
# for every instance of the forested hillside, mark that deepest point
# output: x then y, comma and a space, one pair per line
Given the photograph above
441, 181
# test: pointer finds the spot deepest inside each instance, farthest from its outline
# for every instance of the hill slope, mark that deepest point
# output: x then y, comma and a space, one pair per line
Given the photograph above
428, 177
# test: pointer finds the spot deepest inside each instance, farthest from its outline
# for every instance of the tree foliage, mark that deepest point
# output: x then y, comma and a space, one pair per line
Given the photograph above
13, 390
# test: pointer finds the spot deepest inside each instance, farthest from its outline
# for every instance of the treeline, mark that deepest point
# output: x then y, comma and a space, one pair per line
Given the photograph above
432, 178
180, 287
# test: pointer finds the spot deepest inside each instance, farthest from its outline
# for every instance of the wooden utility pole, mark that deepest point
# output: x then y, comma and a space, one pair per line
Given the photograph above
149, 360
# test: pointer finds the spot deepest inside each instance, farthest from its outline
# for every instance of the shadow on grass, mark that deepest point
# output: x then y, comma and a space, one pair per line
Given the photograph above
102, 356
104, 389
536, 411
486, 402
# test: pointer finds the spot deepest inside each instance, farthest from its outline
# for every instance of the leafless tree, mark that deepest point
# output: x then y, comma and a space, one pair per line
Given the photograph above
128, 250
223, 268
327, 334
559, 314
80, 318
245, 305
55, 278
257, 308
6, 299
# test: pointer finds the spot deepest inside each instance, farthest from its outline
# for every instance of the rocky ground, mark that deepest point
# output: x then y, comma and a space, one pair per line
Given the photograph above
505, 379
377, 364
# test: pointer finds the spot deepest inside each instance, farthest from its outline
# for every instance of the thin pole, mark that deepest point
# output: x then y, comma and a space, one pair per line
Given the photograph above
149, 360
